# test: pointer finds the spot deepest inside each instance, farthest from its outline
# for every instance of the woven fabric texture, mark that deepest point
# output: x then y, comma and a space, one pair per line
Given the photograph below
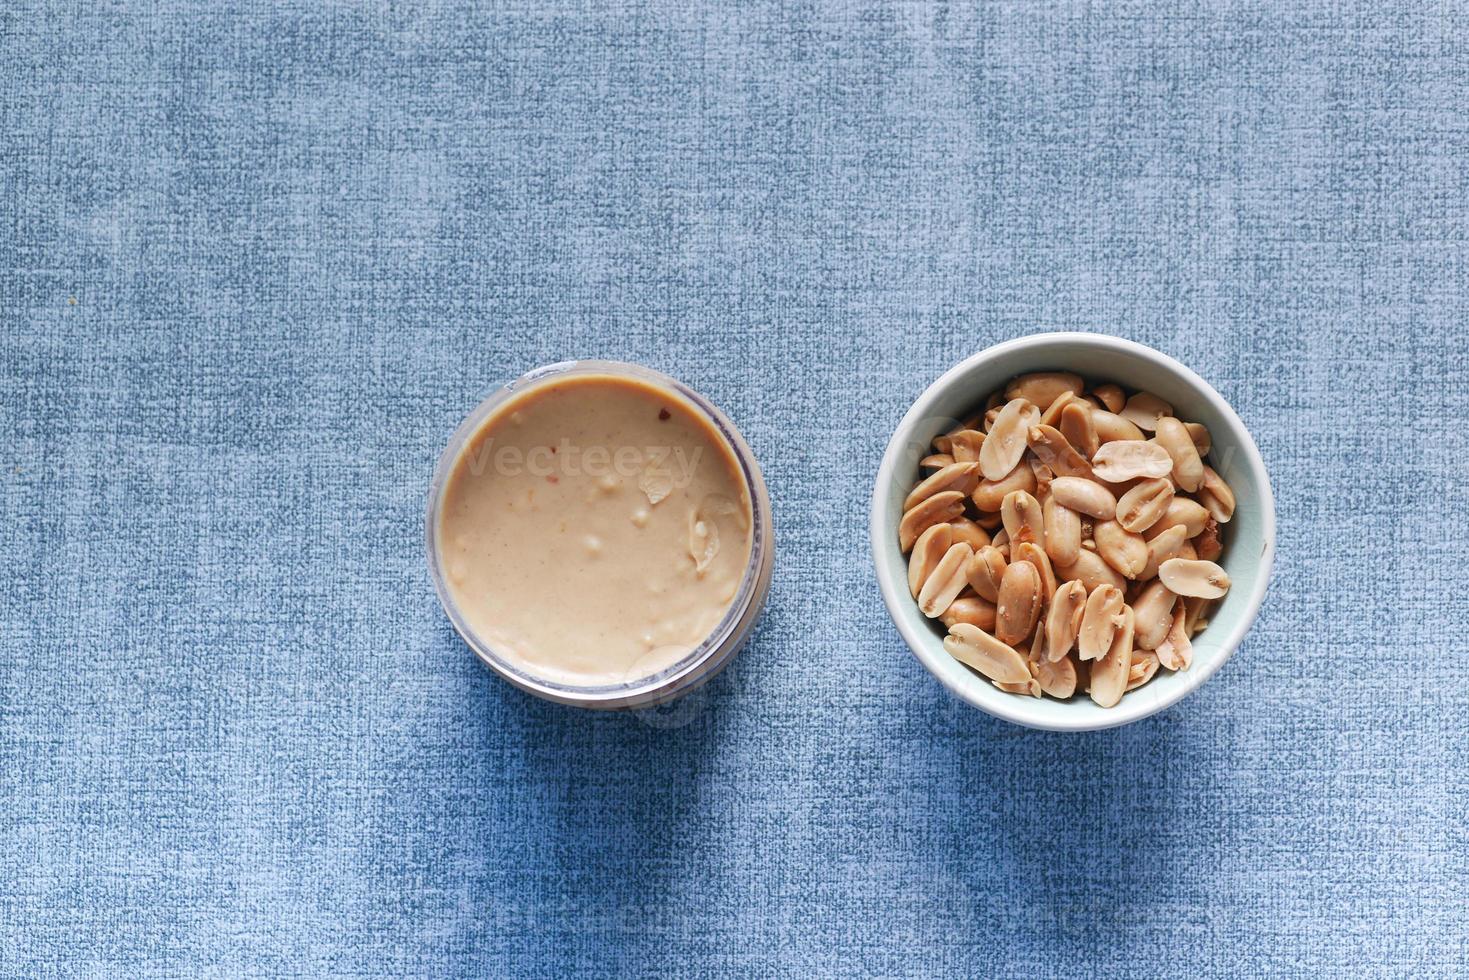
258, 259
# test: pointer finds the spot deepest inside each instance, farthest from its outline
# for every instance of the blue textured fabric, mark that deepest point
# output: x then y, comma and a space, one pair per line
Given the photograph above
256, 261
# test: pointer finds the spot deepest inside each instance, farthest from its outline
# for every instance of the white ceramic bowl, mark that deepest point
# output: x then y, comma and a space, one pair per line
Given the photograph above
1249, 539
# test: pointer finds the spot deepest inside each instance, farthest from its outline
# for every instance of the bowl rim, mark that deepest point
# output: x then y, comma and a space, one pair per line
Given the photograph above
924, 645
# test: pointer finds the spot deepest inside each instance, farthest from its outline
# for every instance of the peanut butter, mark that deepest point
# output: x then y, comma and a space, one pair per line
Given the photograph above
595, 529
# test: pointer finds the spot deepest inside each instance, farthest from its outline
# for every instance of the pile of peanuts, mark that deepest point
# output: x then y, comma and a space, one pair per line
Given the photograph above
1068, 538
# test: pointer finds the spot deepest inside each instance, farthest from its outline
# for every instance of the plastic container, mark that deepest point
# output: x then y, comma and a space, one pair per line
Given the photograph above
705, 660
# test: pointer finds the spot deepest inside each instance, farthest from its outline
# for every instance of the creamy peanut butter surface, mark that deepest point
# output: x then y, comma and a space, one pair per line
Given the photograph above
594, 530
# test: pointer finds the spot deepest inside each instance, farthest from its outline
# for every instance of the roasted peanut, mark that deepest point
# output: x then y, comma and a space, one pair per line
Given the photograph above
1052, 449
1117, 462
1063, 620
1188, 469
928, 550
1122, 549
1196, 612
1085, 497
970, 609
1111, 428
1144, 666
1063, 531
989, 494
1043, 478
1052, 415
1176, 652
1099, 620
1110, 674
1004, 445
1144, 505
941, 443
1216, 496
984, 571
1056, 677
964, 445
963, 477
1077, 426
1153, 609
1208, 544
1202, 579
1183, 511
1043, 387
1168, 544
1203, 442
1023, 519
1037, 646
938, 509
945, 582
1144, 409
1031, 552
1091, 571
969, 532
936, 462
1111, 397
975, 648
1018, 605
